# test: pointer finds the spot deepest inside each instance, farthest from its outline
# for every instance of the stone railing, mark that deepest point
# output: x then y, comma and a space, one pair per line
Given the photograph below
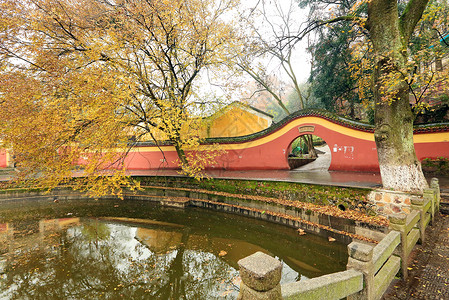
378, 265
333, 286
371, 269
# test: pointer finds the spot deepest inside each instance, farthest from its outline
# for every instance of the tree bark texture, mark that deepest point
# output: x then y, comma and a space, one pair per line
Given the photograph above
181, 155
399, 167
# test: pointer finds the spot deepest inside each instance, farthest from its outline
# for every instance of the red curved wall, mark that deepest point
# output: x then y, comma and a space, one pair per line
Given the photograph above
351, 149
3, 158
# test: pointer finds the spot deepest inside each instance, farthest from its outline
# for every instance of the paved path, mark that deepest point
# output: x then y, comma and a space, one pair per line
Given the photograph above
428, 267
346, 179
336, 178
322, 163
313, 173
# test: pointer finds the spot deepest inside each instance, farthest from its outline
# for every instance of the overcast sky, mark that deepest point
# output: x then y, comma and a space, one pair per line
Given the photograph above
301, 58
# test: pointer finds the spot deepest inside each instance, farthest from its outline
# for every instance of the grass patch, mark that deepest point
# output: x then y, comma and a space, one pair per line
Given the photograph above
316, 194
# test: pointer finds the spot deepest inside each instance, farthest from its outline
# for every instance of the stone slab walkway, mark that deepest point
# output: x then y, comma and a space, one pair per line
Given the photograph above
428, 267
334, 178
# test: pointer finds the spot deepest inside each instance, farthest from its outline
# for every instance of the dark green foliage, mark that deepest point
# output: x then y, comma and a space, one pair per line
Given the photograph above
331, 80
330, 77
438, 166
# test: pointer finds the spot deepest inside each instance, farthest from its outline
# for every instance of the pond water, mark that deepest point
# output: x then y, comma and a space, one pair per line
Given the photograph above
116, 249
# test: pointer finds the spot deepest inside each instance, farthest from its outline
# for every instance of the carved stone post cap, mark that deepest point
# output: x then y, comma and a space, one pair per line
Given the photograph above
434, 182
260, 271
398, 218
359, 251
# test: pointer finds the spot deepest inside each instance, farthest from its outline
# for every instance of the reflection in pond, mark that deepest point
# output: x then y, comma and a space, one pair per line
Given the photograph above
135, 250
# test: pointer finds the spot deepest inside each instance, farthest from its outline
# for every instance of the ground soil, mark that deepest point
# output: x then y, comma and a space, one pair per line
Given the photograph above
428, 267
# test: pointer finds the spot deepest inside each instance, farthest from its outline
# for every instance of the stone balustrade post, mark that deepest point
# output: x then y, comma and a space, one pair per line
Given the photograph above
418, 204
361, 259
429, 194
261, 276
434, 184
398, 223
3, 264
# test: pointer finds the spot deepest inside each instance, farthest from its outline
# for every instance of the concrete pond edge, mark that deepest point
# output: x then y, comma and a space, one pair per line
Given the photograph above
371, 266
341, 229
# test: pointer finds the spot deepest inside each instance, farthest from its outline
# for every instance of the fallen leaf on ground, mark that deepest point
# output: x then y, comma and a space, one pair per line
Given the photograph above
301, 231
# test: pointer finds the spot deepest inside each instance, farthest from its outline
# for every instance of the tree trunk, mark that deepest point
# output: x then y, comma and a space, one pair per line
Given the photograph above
399, 166
181, 155
308, 139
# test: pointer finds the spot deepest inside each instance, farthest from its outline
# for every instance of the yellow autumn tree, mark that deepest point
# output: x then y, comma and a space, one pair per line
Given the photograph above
79, 78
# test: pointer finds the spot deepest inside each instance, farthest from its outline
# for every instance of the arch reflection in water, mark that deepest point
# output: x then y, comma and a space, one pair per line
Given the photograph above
112, 251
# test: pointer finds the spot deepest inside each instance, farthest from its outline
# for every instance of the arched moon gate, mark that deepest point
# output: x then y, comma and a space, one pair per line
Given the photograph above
351, 143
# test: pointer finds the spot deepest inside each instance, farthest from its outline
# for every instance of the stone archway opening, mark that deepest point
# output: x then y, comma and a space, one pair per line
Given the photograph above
300, 159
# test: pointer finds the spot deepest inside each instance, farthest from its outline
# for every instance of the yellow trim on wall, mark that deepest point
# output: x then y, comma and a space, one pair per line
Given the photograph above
153, 149
295, 123
367, 136
436, 137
